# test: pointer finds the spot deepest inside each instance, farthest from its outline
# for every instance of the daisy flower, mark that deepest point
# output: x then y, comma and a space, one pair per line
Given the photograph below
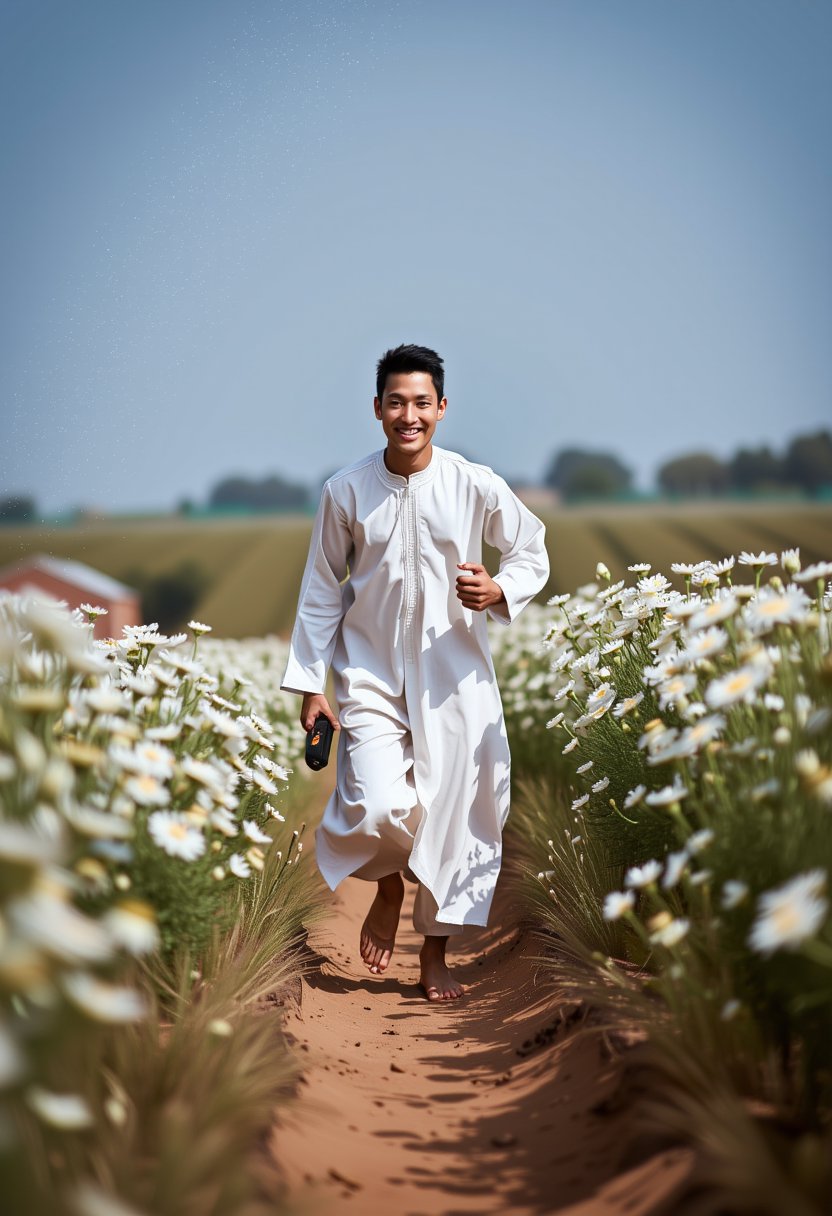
713, 612
106, 699
739, 685
790, 561
667, 796
132, 922
599, 701
820, 570
634, 797
643, 876
580, 802
675, 866
222, 723
153, 759
733, 893
676, 689
202, 772
199, 628
770, 608
238, 865
254, 833
617, 903
147, 790
653, 586
104, 1002
706, 644
640, 568
599, 786
700, 840
670, 935
223, 821
758, 560
789, 914
175, 834
585, 662
702, 732
627, 705
70, 1112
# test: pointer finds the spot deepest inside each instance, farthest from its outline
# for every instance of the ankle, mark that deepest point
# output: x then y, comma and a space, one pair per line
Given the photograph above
433, 950
391, 888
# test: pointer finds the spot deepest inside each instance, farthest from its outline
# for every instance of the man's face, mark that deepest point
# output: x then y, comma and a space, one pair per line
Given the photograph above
409, 411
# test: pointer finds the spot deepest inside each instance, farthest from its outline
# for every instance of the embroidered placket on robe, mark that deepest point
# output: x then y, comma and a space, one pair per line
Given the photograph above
412, 669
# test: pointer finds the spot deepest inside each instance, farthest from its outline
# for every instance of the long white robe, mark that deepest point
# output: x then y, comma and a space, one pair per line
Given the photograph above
423, 755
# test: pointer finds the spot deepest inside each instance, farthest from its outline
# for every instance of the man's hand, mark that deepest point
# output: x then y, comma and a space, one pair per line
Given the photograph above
315, 703
477, 590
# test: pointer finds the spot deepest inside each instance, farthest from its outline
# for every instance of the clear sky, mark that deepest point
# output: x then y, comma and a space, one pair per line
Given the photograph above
611, 218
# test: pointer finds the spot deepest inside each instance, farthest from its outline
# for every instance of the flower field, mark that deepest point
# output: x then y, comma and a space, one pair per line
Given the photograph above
152, 893
673, 756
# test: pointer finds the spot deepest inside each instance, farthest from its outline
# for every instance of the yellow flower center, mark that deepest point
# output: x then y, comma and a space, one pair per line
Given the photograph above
785, 918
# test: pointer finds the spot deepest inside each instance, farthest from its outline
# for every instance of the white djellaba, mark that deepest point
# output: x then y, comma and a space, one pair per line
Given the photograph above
423, 758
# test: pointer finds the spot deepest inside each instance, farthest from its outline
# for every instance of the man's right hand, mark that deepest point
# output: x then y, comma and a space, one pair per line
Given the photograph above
315, 703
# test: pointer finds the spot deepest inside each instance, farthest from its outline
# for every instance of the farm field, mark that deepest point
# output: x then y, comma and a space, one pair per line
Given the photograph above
253, 565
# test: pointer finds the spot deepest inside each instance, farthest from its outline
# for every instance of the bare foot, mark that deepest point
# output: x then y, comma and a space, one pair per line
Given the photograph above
435, 978
378, 933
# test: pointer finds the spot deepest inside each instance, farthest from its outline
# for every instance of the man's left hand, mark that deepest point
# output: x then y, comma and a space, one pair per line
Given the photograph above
477, 590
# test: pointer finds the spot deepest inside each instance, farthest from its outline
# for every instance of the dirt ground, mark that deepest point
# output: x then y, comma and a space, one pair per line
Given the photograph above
493, 1103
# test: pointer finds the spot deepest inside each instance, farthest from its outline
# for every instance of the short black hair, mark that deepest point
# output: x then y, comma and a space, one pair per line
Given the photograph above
410, 358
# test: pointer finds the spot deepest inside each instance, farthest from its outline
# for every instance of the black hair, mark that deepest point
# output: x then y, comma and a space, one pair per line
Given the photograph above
410, 358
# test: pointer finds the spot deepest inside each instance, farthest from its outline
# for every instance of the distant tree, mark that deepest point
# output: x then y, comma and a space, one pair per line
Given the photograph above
17, 508
808, 461
171, 596
575, 473
695, 475
756, 469
273, 493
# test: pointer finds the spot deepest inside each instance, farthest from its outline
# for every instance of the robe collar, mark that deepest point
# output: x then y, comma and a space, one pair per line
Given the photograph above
396, 481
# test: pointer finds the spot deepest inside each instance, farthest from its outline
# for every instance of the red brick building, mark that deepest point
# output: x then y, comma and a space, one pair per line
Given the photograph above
77, 584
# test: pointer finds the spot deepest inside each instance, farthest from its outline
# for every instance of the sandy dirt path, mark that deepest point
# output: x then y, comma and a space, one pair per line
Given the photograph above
483, 1105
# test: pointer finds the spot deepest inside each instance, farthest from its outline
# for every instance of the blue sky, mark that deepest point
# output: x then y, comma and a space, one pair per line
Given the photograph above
609, 216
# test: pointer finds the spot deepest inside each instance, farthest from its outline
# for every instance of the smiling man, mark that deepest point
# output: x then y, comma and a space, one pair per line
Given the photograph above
394, 598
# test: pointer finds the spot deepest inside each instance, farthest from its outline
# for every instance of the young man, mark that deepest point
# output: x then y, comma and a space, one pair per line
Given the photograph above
394, 597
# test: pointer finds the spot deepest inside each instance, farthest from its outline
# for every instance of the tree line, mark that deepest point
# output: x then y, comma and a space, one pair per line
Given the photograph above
804, 466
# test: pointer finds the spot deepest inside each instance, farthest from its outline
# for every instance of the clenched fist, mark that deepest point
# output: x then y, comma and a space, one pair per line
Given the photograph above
477, 590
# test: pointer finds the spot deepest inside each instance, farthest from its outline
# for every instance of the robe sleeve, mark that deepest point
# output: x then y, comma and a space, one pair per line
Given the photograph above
320, 603
519, 536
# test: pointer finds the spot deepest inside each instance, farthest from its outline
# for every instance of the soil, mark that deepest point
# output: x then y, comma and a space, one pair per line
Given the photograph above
503, 1101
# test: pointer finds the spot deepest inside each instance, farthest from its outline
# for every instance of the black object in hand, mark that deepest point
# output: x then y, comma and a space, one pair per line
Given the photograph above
318, 742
